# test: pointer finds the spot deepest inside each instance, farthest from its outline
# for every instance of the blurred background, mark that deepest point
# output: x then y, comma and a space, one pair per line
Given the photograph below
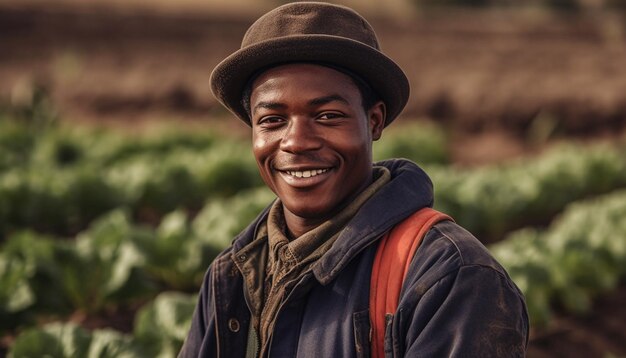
121, 177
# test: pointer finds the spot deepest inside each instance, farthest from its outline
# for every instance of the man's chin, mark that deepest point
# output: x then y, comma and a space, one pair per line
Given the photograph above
306, 211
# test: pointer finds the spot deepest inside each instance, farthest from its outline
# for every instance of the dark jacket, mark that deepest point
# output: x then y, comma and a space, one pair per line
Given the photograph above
456, 300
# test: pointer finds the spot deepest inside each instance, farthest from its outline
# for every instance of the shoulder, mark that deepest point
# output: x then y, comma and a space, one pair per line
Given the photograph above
449, 238
458, 298
448, 249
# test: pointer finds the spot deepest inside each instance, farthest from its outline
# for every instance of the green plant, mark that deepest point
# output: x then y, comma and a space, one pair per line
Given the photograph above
68, 340
221, 220
16, 293
16, 143
160, 329
102, 265
180, 250
173, 254
490, 201
580, 255
57, 179
38, 252
163, 324
422, 142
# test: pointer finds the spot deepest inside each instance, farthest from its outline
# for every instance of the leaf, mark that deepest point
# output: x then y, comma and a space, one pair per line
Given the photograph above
217, 229
55, 340
15, 291
422, 142
40, 252
165, 321
108, 343
101, 264
67, 340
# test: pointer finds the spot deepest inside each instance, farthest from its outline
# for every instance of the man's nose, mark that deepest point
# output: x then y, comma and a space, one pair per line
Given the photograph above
301, 136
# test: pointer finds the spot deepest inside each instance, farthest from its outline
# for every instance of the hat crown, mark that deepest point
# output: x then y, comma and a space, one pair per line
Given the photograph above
311, 18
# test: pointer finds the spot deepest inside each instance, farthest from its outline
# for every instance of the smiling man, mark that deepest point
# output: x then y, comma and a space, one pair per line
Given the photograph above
313, 85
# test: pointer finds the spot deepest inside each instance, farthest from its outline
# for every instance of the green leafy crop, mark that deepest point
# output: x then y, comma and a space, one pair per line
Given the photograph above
579, 256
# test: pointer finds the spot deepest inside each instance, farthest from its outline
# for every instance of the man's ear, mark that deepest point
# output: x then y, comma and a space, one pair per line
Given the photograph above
376, 115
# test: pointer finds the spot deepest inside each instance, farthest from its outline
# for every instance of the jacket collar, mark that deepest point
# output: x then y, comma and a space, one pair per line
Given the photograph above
409, 190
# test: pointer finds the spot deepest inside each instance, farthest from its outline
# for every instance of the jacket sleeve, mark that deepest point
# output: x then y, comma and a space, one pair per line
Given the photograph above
474, 311
199, 339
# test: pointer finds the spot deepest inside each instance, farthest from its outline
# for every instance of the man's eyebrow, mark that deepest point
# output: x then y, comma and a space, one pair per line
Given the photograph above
314, 102
327, 99
269, 105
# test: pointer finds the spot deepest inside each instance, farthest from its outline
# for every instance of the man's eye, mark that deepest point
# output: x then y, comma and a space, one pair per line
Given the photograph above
330, 115
270, 120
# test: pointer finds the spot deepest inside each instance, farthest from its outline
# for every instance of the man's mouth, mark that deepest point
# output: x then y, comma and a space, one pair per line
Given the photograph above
306, 173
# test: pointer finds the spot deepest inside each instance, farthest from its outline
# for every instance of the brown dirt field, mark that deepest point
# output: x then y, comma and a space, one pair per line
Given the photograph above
498, 79
475, 70
599, 334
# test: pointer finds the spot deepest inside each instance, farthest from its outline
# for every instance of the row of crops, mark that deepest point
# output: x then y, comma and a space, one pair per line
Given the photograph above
60, 181
92, 221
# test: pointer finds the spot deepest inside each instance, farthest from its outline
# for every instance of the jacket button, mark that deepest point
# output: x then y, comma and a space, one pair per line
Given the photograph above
233, 325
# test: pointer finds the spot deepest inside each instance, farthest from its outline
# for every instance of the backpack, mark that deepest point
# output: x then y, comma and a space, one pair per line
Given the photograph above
391, 264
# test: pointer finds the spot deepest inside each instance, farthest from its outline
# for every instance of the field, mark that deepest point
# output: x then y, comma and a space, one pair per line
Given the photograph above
115, 163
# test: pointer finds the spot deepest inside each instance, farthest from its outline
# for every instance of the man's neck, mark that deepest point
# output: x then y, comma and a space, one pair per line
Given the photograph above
297, 225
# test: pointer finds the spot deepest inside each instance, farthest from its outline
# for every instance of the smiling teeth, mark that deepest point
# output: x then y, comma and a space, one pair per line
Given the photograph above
307, 173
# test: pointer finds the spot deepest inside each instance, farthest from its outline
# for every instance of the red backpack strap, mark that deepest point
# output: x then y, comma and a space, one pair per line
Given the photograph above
391, 264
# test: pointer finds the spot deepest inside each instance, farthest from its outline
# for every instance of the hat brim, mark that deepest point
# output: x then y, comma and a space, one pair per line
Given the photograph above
230, 76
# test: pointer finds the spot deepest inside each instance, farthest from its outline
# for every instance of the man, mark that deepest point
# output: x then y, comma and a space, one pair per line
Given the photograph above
316, 91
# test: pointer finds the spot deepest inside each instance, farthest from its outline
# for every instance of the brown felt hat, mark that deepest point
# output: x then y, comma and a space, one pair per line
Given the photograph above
310, 32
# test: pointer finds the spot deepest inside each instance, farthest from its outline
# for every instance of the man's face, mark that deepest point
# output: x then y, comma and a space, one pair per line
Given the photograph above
312, 138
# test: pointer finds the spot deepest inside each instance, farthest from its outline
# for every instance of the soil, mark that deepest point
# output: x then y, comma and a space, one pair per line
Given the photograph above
599, 334
502, 81
533, 73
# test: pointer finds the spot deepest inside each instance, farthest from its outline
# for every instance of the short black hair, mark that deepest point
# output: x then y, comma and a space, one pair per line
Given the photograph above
369, 97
